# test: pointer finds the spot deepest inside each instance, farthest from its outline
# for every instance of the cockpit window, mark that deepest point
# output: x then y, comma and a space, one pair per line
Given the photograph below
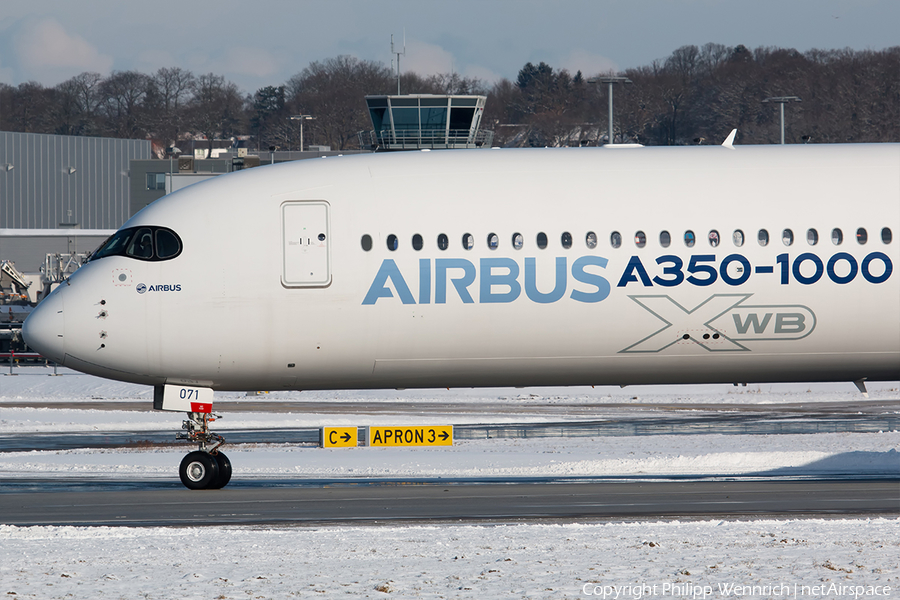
142, 243
167, 244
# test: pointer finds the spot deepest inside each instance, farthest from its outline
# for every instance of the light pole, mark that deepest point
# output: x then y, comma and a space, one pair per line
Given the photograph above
302, 118
171, 152
782, 100
610, 79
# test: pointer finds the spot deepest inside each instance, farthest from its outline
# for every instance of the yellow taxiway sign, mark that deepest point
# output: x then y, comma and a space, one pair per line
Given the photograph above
338, 437
435, 435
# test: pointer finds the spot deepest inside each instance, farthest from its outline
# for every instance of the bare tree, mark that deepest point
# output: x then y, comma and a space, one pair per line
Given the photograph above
173, 89
217, 109
122, 107
334, 91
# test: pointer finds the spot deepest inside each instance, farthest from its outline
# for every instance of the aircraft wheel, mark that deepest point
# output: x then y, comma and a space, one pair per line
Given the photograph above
224, 471
199, 470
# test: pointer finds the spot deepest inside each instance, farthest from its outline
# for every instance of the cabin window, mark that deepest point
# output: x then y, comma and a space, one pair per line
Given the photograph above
689, 238
443, 242
837, 236
392, 242
493, 241
417, 242
542, 240
886, 236
366, 242
738, 238
566, 240
787, 237
861, 236
763, 237
664, 239
468, 241
812, 237
518, 240
640, 239
615, 239
590, 240
713, 238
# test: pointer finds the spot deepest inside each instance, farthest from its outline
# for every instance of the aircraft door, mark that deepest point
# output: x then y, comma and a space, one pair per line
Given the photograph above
306, 244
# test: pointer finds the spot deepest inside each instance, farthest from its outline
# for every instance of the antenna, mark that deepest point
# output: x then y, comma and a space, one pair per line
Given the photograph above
393, 51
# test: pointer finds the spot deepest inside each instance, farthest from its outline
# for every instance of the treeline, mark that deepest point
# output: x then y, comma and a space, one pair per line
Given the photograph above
696, 95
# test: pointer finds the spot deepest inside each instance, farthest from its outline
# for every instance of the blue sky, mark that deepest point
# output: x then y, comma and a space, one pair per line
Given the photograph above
265, 42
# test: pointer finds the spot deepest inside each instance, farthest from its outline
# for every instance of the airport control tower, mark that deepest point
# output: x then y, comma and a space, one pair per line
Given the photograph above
419, 121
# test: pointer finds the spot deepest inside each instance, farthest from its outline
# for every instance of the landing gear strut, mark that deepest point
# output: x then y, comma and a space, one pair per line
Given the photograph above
206, 468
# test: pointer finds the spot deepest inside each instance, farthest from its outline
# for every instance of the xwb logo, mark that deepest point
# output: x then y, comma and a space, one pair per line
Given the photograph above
721, 323
141, 288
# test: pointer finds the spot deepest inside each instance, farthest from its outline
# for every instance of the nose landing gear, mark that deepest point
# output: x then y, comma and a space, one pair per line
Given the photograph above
206, 468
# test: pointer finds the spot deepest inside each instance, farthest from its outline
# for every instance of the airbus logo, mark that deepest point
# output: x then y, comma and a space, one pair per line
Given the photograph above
141, 288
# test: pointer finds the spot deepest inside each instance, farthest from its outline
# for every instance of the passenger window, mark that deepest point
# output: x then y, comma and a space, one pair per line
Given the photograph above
392, 242
689, 239
640, 239
615, 239
886, 236
713, 238
837, 236
861, 236
141, 244
763, 237
493, 241
812, 237
542, 240
590, 240
738, 238
518, 241
167, 245
417, 242
366, 242
566, 240
664, 239
787, 237
443, 242
468, 241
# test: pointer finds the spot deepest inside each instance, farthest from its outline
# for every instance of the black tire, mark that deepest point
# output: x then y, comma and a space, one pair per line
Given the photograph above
224, 471
199, 471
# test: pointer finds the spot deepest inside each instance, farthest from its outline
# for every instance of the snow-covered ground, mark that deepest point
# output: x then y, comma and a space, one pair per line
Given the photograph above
848, 558
812, 558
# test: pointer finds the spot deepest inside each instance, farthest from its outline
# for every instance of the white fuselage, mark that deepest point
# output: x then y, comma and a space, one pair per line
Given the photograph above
273, 288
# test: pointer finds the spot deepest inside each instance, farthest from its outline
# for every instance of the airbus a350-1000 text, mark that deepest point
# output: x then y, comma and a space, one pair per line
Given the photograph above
494, 268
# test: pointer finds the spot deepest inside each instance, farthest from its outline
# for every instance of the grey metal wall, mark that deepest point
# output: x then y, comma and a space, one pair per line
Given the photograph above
50, 180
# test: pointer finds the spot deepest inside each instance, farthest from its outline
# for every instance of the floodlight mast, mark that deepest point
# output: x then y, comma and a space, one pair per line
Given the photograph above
782, 100
610, 80
302, 118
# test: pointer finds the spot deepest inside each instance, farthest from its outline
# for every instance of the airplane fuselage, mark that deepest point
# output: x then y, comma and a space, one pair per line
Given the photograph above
503, 268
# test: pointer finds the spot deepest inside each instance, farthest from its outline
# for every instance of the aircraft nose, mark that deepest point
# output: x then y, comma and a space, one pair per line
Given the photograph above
43, 329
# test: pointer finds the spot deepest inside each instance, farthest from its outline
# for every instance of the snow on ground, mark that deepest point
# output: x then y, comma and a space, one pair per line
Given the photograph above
665, 455
850, 558
787, 454
812, 558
